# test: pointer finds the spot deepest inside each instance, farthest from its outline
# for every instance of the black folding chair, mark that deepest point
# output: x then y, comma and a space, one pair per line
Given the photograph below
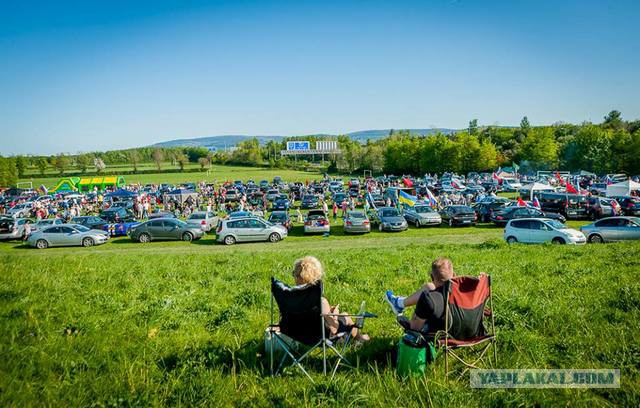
302, 325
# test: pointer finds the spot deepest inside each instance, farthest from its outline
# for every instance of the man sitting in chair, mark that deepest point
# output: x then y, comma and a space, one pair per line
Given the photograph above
308, 270
429, 305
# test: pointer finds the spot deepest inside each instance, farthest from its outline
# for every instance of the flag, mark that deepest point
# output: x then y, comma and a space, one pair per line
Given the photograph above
559, 178
536, 203
496, 178
515, 167
571, 189
407, 182
521, 202
407, 199
433, 202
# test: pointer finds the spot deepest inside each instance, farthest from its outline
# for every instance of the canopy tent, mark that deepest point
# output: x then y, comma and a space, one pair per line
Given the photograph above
102, 183
182, 194
623, 188
536, 187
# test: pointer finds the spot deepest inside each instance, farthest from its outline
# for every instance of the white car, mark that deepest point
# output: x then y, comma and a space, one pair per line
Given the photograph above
21, 210
539, 230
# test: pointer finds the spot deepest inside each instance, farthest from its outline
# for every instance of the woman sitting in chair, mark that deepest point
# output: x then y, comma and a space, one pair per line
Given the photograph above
308, 270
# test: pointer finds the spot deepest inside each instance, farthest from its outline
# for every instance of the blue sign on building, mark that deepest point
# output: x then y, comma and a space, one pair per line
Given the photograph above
299, 145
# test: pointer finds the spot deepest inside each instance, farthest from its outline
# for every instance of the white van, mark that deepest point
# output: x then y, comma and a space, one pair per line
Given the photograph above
540, 230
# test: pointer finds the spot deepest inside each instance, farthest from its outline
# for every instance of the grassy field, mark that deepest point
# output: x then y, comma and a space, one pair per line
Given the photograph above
215, 173
181, 324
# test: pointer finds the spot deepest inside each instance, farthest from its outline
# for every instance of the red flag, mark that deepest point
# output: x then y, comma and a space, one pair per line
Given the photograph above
407, 182
571, 189
559, 178
521, 202
495, 177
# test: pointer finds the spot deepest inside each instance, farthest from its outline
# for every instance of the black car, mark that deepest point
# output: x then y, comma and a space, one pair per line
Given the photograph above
282, 218
90, 221
309, 201
629, 205
117, 214
503, 216
458, 215
569, 205
376, 200
485, 209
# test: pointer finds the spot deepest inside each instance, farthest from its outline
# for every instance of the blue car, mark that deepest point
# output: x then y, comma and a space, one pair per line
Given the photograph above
281, 203
118, 229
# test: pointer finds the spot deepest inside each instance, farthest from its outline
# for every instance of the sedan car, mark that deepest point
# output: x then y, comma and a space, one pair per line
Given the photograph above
90, 221
390, 219
356, 222
316, 222
612, 229
67, 235
282, 218
309, 201
501, 217
165, 229
248, 229
459, 215
422, 215
203, 219
540, 230
117, 214
281, 203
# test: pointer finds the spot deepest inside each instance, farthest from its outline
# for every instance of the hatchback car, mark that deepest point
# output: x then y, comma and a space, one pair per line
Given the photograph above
309, 201
316, 222
356, 222
422, 215
599, 207
248, 229
11, 228
164, 229
281, 203
282, 218
90, 221
67, 235
390, 219
459, 215
203, 219
540, 230
612, 229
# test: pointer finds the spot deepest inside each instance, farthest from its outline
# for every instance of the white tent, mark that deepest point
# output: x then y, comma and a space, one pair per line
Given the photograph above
623, 188
536, 187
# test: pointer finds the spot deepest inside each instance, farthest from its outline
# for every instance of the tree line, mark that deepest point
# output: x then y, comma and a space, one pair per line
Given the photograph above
608, 147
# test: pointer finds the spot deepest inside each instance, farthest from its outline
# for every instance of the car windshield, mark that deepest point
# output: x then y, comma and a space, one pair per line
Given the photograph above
556, 224
391, 212
277, 217
198, 216
459, 210
357, 215
423, 209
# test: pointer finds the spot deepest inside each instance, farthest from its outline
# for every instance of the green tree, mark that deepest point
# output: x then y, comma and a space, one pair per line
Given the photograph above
42, 164
158, 157
613, 120
61, 163
8, 171
540, 149
21, 165
204, 162
83, 162
182, 160
134, 159
524, 125
473, 126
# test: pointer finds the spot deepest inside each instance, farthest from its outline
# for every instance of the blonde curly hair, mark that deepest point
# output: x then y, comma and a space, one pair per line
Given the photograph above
307, 270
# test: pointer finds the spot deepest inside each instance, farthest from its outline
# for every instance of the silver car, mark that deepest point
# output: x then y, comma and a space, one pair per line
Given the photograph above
612, 229
356, 222
248, 229
316, 222
67, 235
203, 219
21, 210
390, 219
12, 228
422, 215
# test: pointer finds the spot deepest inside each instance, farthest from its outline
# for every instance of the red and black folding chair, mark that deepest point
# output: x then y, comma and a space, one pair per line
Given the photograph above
465, 313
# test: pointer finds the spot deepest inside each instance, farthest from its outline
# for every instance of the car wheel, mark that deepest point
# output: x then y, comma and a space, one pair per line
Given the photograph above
558, 241
451, 222
511, 240
144, 238
42, 244
87, 242
274, 237
596, 239
380, 228
229, 240
417, 224
187, 237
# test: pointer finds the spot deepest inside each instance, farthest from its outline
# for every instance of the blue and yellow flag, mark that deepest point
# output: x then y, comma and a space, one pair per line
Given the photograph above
407, 199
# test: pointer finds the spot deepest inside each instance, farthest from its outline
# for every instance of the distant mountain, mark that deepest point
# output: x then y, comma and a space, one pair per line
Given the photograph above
227, 141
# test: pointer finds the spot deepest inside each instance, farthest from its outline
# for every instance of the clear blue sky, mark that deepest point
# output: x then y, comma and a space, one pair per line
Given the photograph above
87, 75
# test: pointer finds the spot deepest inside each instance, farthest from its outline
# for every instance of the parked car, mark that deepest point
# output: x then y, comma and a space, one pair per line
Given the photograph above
376, 200
612, 229
598, 189
356, 222
390, 219
484, 210
281, 203
117, 214
316, 222
338, 198
539, 230
67, 235
629, 205
501, 217
165, 229
459, 215
569, 205
240, 214
11, 228
161, 214
309, 201
48, 222
599, 207
248, 229
203, 219
421, 215
272, 194
21, 210
231, 195
90, 221
282, 218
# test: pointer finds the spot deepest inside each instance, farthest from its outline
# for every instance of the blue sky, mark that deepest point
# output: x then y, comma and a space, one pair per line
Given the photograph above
97, 75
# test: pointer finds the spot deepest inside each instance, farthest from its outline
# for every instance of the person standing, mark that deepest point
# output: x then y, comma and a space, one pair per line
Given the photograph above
335, 211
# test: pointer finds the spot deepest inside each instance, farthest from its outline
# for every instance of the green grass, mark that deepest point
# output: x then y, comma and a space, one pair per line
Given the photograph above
217, 173
181, 324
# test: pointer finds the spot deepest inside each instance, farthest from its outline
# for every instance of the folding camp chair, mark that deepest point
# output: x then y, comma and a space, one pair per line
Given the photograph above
301, 326
464, 310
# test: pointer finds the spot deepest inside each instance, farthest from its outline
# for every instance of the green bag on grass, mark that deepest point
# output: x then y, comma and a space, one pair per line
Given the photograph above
414, 353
